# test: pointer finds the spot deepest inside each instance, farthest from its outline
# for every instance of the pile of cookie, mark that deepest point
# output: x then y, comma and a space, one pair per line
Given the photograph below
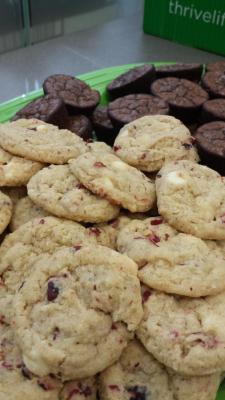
112, 280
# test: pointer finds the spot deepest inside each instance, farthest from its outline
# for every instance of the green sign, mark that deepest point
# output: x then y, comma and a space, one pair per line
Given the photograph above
197, 23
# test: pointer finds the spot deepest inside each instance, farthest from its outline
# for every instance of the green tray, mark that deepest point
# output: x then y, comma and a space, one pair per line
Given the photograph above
98, 80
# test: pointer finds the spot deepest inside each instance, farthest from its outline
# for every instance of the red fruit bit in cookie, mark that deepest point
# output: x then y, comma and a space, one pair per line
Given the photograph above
114, 327
52, 291
86, 391
77, 247
116, 148
7, 365
99, 164
157, 221
42, 221
80, 186
143, 156
72, 393
2, 319
174, 334
26, 373
56, 333
223, 218
145, 295
114, 387
154, 239
2, 282
47, 383
208, 342
94, 231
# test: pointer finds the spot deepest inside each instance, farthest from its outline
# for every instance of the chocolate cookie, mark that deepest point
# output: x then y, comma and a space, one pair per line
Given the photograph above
48, 109
214, 83
76, 94
193, 72
210, 141
81, 125
216, 66
185, 98
136, 80
213, 110
103, 126
128, 108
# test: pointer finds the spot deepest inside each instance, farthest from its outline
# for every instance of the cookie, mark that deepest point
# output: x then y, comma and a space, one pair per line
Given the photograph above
171, 261
191, 198
76, 311
78, 97
48, 109
138, 375
109, 177
192, 72
5, 211
148, 142
38, 141
58, 191
186, 335
216, 66
185, 98
16, 381
16, 170
40, 235
213, 110
103, 126
214, 83
133, 106
210, 141
25, 210
135, 80
106, 233
81, 125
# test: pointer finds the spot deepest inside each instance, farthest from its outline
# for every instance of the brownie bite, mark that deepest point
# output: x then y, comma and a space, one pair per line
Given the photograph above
78, 97
185, 98
193, 72
213, 110
214, 83
81, 126
136, 80
128, 108
49, 109
210, 141
103, 126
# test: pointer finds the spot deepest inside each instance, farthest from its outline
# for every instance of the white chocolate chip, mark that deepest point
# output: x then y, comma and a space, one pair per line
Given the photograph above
175, 178
119, 165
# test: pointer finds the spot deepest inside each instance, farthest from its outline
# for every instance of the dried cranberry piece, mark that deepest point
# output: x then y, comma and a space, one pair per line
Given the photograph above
77, 247
7, 365
143, 156
56, 332
25, 372
154, 239
99, 164
116, 148
114, 387
87, 391
2, 319
145, 295
113, 327
52, 291
46, 383
73, 392
80, 186
42, 221
156, 221
174, 334
95, 231
137, 392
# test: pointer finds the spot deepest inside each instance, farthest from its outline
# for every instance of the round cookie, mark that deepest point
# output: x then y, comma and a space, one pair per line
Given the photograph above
16, 171
5, 211
80, 125
170, 261
76, 311
193, 72
38, 141
77, 95
191, 198
213, 110
135, 80
214, 83
184, 97
58, 191
41, 235
148, 142
109, 177
210, 141
133, 106
138, 375
25, 210
103, 126
48, 109
186, 335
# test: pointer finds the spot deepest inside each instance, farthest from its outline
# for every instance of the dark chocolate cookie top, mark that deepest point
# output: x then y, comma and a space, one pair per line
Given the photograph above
214, 109
81, 125
73, 91
41, 108
189, 71
211, 137
100, 117
130, 76
214, 83
179, 92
